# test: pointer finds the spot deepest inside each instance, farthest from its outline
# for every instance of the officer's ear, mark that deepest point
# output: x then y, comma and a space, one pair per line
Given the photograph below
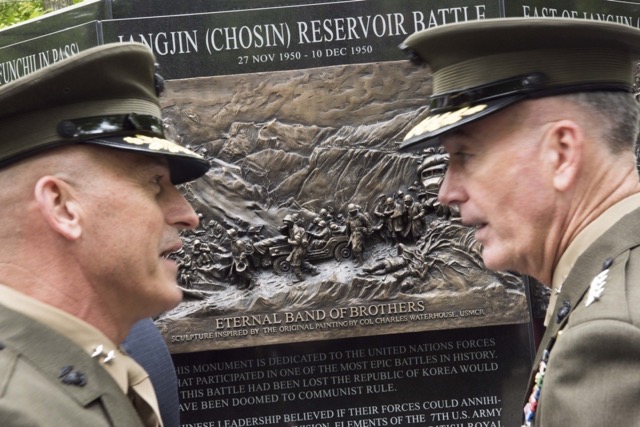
60, 209
564, 151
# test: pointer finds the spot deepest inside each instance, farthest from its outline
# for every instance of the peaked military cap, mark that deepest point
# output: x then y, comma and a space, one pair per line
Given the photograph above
105, 95
481, 67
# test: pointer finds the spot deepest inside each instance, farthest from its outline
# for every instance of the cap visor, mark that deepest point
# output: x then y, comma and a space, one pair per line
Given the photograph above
425, 134
184, 165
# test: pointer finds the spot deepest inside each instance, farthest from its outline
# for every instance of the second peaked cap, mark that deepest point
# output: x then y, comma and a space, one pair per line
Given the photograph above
481, 67
105, 95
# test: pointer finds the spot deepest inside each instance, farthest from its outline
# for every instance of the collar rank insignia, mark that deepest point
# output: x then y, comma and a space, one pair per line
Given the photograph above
99, 351
598, 283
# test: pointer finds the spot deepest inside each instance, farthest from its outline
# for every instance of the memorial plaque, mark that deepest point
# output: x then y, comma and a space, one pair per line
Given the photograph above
20, 59
287, 37
315, 143
444, 378
389, 281
325, 284
626, 12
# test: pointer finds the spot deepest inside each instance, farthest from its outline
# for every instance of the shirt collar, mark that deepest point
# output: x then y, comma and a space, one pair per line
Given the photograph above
582, 241
86, 336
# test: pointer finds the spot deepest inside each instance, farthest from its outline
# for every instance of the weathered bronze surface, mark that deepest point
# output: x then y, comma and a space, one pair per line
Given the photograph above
309, 208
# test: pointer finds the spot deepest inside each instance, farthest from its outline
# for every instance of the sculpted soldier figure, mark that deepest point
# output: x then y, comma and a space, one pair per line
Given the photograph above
314, 224
299, 241
358, 225
241, 266
386, 265
320, 237
393, 214
540, 121
414, 214
378, 210
201, 253
90, 215
185, 265
326, 216
380, 217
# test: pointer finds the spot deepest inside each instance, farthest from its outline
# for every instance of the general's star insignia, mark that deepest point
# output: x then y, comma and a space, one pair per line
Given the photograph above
597, 287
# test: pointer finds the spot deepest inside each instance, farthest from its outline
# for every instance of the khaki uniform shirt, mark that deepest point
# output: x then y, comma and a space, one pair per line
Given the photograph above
125, 371
591, 375
582, 241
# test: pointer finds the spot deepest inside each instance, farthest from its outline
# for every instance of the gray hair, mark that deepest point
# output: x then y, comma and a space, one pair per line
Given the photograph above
619, 113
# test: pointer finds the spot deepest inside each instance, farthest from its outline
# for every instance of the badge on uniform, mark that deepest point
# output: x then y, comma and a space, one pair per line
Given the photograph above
70, 377
598, 283
100, 352
532, 404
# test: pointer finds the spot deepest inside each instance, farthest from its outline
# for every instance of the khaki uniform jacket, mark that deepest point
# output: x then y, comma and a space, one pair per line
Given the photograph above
40, 380
593, 373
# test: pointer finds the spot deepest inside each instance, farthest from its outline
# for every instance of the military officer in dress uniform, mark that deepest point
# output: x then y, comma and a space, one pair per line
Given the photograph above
540, 122
90, 213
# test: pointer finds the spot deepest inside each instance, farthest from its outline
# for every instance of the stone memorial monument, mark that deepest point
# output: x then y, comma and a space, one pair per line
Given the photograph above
325, 284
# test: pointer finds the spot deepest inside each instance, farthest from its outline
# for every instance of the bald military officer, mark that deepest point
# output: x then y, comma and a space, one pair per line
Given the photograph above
90, 213
540, 122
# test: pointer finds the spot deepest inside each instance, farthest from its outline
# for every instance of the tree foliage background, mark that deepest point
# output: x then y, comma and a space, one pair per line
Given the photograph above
15, 11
